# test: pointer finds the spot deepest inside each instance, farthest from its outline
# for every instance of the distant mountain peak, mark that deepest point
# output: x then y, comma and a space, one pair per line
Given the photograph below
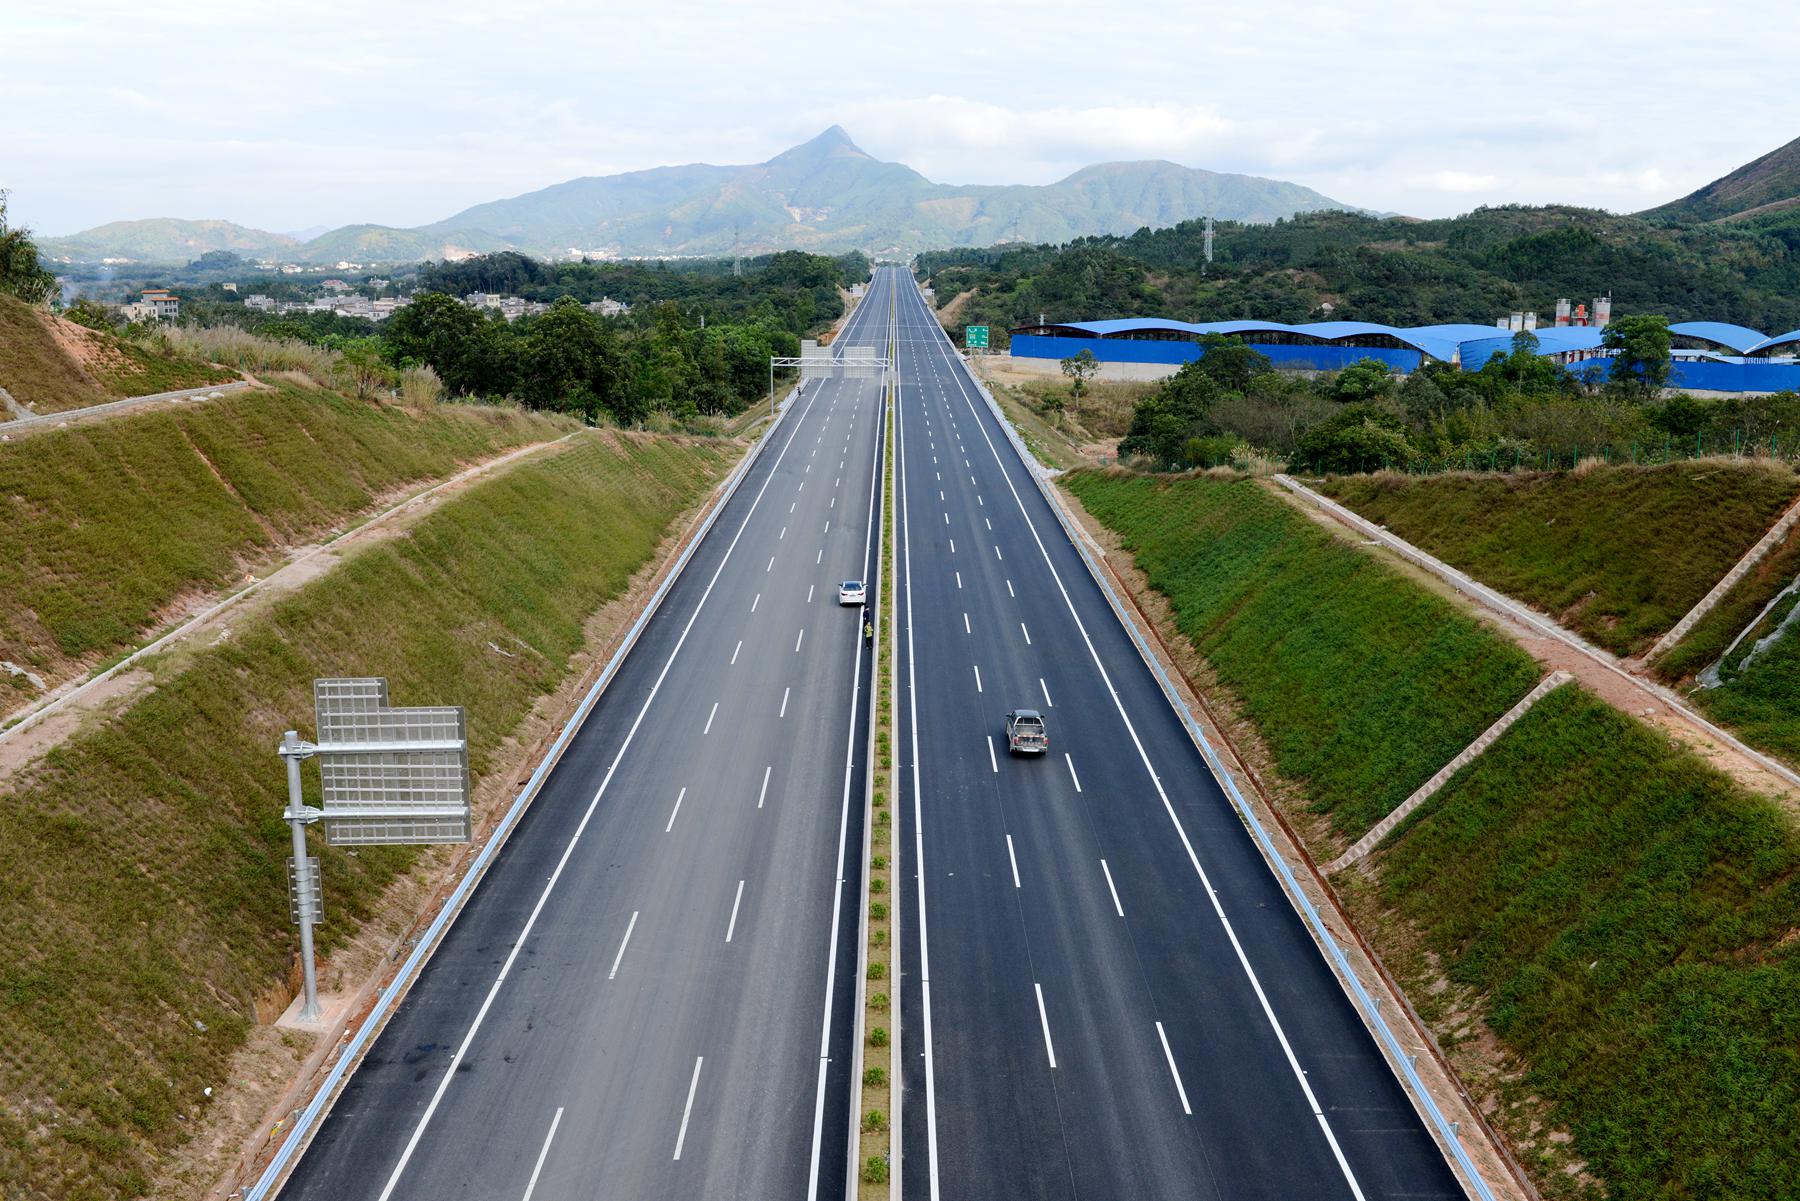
834, 142
1763, 184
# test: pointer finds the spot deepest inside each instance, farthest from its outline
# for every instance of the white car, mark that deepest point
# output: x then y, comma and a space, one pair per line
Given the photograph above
851, 592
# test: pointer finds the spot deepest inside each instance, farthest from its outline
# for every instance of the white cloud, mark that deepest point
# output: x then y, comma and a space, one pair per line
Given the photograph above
1455, 181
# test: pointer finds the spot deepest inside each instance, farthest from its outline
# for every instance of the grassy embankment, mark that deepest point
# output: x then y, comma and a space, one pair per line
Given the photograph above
143, 907
1616, 913
109, 525
1618, 554
51, 365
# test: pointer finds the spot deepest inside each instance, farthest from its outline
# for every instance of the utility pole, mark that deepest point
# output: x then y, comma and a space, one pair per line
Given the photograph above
1207, 241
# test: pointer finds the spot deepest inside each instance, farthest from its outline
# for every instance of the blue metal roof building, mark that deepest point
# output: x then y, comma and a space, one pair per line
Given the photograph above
1710, 355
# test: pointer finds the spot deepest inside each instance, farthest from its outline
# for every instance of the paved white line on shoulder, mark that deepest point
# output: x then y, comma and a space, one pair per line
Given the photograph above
966, 628
763, 795
1012, 859
688, 1109
992, 760
1170, 1056
1026, 632
732, 928
1072, 775
798, 640
1117, 908
709, 718
784, 699
1049, 1048
531, 1185
675, 810
977, 667
623, 943
735, 650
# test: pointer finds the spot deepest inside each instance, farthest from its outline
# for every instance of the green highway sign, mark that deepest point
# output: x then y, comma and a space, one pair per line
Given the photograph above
975, 337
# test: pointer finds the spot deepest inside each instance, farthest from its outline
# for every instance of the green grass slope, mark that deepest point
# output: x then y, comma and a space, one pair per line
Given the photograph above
1629, 915
1619, 554
107, 524
1363, 685
51, 365
142, 866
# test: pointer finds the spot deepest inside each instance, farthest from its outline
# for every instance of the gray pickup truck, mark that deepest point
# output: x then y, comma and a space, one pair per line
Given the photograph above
1025, 733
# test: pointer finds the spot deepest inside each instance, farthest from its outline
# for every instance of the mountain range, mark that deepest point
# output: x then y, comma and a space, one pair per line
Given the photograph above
1762, 186
826, 195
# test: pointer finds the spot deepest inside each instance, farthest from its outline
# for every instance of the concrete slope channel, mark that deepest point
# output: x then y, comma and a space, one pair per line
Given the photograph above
1104, 990
650, 993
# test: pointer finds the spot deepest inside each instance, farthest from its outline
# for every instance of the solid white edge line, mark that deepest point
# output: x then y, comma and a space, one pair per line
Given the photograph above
1243, 959
462, 1049
912, 699
688, 1109
1044, 1018
623, 943
1169, 1055
731, 928
1014, 860
677, 809
837, 894
543, 1154
1107, 871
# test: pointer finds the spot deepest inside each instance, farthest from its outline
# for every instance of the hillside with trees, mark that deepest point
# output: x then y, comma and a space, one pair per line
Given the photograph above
1396, 270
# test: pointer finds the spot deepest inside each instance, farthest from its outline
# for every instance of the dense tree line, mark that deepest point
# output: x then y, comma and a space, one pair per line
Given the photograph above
21, 274
1397, 271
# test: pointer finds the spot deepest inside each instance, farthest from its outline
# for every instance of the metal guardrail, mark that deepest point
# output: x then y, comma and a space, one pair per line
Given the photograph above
1397, 1054
113, 406
297, 1136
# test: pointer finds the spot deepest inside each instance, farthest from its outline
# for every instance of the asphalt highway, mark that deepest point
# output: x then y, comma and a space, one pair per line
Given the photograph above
1105, 993
650, 993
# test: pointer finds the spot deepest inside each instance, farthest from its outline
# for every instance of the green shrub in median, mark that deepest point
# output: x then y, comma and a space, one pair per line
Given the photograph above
143, 890
1362, 683
1630, 914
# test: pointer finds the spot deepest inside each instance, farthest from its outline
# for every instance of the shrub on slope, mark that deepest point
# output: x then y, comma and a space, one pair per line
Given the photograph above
1362, 684
142, 866
1617, 553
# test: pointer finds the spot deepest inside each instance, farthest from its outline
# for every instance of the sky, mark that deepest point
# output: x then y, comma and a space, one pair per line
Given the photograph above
291, 116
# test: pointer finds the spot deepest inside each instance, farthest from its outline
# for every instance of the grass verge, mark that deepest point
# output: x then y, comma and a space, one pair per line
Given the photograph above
110, 524
143, 906
1627, 916
875, 1147
1618, 554
1362, 683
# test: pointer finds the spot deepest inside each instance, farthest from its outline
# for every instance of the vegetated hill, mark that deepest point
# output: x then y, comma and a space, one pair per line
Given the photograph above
111, 523
1401, 271
144, 915
164, 240
825, 195
1615, 912
50, 365
1762, 186
1619, 554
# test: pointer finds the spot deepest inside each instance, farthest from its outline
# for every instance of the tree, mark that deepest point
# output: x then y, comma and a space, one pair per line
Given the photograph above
1362, 380
1231, 362
1642, 363
1359, 437
1080, 368
1163, 422
449, 336
369, 373
20, 272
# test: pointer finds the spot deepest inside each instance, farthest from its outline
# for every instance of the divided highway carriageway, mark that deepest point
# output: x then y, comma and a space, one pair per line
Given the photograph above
1103, 991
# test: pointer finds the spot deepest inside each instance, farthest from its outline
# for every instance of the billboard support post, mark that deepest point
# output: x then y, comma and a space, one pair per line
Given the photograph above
299, 817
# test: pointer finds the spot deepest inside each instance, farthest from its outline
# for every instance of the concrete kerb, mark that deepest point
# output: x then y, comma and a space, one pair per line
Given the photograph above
114, 406
1405, 809
275, 1173
1756, 554
1507, 607
1402, 1063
